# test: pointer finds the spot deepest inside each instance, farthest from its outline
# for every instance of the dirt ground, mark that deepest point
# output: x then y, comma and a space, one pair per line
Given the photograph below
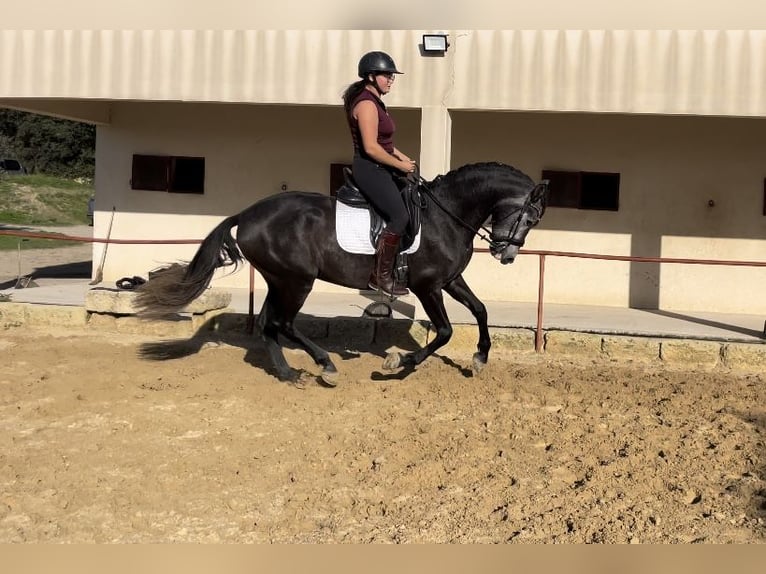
98, 444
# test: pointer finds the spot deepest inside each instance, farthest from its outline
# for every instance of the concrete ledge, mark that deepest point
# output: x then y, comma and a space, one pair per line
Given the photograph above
569, 343
21, 314
224, 320
630, 348
744, 356
700, 354
362, 333
120, 302
351, 331
510, 340
207, 320
181, 327
463, 341
401, 332
313, 328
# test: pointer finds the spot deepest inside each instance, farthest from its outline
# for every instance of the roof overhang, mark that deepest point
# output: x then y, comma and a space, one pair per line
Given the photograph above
698, 72
92, 112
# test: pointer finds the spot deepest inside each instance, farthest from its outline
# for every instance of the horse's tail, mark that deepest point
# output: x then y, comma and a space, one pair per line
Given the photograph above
172, 288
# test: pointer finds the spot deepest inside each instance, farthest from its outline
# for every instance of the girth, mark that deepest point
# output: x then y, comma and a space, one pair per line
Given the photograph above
350, 194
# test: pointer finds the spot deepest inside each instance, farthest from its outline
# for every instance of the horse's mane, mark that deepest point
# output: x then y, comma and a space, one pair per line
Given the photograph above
467, 171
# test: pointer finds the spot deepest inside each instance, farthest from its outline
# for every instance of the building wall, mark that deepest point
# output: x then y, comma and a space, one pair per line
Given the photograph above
671, 167
249, 150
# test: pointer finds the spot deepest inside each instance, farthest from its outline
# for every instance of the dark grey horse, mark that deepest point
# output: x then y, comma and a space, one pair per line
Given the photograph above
290, 238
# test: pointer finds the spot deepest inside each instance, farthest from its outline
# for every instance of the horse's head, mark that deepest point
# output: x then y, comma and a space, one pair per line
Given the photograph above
512, 223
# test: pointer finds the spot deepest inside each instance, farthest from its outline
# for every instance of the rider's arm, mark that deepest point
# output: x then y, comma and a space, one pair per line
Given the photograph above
366, 114
401, 155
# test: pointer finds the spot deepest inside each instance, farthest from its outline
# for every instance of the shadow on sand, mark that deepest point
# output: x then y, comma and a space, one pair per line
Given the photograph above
341, 344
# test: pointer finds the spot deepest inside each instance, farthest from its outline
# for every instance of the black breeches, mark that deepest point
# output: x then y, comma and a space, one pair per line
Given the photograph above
378, 186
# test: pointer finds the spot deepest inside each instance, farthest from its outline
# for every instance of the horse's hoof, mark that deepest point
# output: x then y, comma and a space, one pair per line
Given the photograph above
329, 378
478, 363
393, 361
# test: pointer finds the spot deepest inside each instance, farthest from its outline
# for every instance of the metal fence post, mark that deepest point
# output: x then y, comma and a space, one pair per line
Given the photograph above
540, 295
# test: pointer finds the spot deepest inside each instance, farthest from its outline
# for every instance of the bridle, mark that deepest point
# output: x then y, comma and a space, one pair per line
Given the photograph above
495, 241
530, 203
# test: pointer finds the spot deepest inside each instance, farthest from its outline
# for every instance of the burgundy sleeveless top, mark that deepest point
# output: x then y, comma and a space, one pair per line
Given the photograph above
386, 126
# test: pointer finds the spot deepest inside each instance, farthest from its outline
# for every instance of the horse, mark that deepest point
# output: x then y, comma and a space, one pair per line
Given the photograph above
291, 239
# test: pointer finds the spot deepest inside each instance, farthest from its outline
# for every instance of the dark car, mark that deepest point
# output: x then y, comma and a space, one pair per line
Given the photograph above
12, 167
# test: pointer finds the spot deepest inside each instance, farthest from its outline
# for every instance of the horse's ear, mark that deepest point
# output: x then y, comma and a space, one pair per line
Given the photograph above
541, 191
540, 195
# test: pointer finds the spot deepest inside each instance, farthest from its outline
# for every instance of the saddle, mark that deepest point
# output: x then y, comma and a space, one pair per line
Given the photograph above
350, 194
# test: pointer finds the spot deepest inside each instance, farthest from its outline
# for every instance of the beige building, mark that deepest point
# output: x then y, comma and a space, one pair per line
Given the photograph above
661, 131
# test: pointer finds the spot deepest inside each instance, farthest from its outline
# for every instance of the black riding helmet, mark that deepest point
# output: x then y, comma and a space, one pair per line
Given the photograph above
377, 63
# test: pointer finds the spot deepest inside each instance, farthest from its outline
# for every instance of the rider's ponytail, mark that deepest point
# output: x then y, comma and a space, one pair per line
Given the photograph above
351, 93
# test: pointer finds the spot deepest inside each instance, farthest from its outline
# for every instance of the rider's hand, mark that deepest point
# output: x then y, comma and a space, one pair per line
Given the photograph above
407, 166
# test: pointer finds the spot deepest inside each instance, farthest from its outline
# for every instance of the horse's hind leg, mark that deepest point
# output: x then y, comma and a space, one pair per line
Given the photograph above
279, 312
269, 327
320, 356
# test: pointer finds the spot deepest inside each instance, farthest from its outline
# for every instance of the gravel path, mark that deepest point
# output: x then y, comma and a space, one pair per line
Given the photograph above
47, 265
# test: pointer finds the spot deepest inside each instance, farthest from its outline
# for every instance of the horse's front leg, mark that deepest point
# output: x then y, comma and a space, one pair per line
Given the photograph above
460, 292
433, 305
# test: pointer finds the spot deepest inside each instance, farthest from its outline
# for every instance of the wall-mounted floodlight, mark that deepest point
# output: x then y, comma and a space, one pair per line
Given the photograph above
435, 43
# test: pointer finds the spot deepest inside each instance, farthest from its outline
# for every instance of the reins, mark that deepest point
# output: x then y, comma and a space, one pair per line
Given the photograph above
476, 231
493, 243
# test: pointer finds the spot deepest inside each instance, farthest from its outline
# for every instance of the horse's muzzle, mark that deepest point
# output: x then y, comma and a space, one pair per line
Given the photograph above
507, 254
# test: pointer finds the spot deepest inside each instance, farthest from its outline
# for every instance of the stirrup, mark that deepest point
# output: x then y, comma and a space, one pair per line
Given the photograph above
391, 295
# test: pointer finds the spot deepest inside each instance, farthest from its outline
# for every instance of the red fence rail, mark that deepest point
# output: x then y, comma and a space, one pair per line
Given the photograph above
81, 239
541, 274
672, 260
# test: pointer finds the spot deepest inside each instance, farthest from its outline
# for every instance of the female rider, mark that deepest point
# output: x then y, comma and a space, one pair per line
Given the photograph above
376, 160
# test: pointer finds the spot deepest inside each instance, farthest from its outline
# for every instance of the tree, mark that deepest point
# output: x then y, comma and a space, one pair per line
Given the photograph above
48, 145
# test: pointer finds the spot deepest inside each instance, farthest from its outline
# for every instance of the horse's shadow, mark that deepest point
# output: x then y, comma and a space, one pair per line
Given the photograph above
234, 330
409, 369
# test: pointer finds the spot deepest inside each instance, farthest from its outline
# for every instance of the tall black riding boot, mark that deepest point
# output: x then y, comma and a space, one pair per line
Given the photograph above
382, 277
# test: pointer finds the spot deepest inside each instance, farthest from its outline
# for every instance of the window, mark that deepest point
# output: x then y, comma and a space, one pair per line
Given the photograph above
583, 189
150, 172
764, 196
168, 173
187, 175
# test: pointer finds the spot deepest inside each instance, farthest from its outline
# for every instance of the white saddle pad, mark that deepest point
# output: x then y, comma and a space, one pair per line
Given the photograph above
352, 225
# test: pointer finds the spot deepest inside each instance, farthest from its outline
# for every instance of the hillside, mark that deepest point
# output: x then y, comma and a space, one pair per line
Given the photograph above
43, 200
37, 200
